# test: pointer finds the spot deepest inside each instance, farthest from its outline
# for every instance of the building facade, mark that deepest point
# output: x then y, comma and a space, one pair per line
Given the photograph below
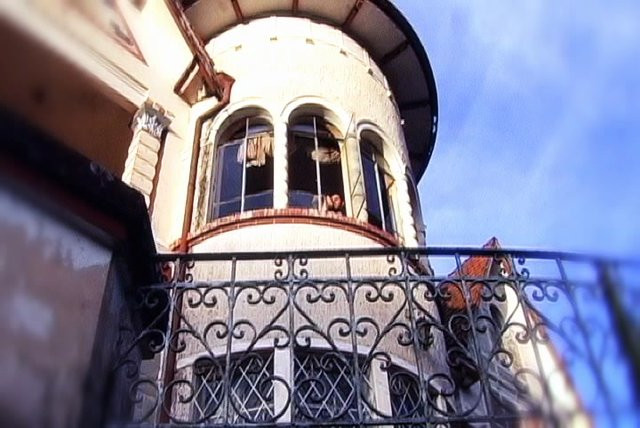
276, 145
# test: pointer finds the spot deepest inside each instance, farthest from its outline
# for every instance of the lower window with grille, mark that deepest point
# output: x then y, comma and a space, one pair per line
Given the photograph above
404, 391
324, 389
250, 390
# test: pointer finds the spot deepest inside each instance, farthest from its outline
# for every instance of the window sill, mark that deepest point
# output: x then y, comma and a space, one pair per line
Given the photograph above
290, 216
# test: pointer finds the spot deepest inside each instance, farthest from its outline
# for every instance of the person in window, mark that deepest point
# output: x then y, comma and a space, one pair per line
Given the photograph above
330, 203
333, 203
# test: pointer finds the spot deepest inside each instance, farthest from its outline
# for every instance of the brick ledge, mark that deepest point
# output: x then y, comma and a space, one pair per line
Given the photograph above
288, 216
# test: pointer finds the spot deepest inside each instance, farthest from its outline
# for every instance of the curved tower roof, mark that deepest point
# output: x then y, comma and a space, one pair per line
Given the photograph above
378, 26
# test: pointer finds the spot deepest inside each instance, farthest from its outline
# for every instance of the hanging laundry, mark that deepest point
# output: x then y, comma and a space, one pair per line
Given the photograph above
259, 147
326, 155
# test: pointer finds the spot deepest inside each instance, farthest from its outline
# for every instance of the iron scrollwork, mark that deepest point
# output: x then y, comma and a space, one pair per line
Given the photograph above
374, 338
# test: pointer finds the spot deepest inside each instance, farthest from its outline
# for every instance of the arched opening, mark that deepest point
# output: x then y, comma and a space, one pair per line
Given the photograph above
243, 168
377, 184
315, 170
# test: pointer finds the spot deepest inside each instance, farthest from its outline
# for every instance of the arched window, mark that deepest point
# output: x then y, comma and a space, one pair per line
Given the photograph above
315, 171
377, 185
243, 179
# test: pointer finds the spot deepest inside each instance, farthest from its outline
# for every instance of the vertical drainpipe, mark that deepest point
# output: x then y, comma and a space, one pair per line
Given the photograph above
218, 84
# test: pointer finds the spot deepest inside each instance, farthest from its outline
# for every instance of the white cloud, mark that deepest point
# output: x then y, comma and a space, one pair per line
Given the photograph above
531, 94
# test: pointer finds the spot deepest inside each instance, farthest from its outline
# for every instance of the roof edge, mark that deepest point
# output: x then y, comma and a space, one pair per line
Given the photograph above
414, 40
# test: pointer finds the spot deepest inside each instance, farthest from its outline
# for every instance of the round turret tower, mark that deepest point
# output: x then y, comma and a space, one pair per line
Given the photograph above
330, 123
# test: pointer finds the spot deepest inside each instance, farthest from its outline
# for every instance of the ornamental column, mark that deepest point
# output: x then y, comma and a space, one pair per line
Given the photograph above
149, 125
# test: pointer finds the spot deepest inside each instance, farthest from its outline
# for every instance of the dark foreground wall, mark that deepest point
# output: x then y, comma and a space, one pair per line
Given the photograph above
74, 244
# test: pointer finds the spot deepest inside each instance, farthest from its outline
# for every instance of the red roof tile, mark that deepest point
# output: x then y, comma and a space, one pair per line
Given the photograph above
474, 266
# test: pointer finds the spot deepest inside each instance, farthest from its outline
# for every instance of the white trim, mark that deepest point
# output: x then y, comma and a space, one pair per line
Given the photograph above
250, 107
396, 160
332, 112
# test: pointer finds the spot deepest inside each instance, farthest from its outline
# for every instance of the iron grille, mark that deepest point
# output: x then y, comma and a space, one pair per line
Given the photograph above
382, 337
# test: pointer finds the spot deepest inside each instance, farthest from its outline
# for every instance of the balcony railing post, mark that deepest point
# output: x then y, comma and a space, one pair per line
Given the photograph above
586, 337
290, 286
168, 357
354, 340
231, 301
415, 334
482, 367
628, 331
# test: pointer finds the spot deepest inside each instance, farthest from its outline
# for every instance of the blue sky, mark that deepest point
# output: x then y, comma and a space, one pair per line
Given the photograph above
539, 127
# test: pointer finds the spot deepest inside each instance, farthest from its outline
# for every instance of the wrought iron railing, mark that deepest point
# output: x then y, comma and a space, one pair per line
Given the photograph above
444, 337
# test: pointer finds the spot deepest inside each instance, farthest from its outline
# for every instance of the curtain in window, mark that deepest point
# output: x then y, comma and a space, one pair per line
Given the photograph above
259, 147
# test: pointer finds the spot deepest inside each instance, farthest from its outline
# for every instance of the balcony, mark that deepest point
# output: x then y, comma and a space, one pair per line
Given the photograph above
445, 337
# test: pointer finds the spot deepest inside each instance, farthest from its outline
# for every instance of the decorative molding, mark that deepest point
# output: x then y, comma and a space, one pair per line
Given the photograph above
107, 17
152, 119
142, 163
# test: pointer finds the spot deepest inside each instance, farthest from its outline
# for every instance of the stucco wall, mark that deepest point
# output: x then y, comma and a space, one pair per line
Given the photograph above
282, 62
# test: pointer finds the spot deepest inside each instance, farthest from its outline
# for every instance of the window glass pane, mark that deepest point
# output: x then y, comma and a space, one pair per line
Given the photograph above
252, 388
330, 169
209, 391
300, 198
259, 168
324, 387
385, 184
230, 167
258, 201
227, 208
416, 211
377, 184
404, 389
229, 180
303, 125
374, 210
302, 171
259, 186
